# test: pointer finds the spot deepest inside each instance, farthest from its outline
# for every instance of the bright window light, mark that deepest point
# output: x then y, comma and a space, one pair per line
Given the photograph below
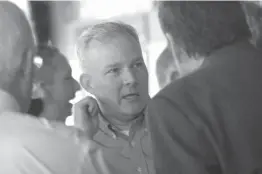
101, 9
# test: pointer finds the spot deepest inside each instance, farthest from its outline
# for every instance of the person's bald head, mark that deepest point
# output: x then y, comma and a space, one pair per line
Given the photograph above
16, 53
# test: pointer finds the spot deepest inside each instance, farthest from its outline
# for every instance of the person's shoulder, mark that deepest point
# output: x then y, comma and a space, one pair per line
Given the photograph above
27, 127
16, 120
190, 85
174, 88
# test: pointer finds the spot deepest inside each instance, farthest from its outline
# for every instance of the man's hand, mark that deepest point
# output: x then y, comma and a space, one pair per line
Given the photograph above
86, 116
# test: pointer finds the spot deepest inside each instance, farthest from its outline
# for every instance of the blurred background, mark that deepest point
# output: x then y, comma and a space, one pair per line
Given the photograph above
61, 22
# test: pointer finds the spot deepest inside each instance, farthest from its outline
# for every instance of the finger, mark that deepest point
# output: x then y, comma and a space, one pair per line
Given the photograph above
87, 101
94, 112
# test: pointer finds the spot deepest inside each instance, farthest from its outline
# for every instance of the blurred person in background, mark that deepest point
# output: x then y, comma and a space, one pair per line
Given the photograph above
54, 86
115, 73
253, 12
210, 120
28, 144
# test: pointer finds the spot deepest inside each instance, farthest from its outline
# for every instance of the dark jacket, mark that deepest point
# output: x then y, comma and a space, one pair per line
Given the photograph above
211, 121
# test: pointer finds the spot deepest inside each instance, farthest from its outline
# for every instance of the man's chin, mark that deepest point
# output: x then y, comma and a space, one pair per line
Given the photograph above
134, 110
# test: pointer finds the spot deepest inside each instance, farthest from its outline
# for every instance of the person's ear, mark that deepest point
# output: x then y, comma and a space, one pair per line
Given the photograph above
85, 81
171, 45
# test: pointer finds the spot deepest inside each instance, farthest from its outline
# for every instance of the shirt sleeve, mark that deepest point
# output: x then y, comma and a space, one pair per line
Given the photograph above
86, 155
15, 159
93, 161
178, 146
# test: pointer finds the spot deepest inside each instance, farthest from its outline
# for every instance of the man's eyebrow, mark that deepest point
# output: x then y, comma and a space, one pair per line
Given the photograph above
112, 65
138, 59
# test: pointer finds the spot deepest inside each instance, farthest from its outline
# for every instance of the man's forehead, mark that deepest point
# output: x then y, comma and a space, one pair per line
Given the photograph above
111, 51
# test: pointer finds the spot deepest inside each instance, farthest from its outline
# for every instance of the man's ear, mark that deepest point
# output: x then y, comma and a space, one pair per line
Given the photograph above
85, 81
171, 46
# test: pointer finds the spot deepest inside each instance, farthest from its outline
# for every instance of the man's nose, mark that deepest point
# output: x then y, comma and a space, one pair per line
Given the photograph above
129, 77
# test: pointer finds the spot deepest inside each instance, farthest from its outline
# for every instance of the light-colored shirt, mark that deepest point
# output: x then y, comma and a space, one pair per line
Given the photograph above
125, 152
36, 146
32, 146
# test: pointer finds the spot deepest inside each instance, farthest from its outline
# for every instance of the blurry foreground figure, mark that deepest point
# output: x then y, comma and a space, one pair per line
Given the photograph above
210, 120
30, 145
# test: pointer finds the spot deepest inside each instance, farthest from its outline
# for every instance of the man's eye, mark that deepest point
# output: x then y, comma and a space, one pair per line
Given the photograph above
138, 64
114, 71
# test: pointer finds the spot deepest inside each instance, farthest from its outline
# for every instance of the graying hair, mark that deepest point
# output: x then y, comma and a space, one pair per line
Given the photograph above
103, 32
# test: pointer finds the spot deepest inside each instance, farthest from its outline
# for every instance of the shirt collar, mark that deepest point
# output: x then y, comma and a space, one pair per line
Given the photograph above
114, 132
8, 102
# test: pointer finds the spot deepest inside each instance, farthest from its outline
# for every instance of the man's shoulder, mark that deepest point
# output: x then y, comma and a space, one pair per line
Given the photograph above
191, 86
176, 87
16, 120
29, 128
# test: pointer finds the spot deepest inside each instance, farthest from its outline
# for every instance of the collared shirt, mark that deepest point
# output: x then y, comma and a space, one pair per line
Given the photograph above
125, 152
36, 146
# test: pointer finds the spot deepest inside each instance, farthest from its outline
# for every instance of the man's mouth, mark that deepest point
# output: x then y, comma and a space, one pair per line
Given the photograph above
131, 96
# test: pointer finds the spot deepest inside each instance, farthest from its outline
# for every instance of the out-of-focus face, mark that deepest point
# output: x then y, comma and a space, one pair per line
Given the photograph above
60, 90
117, 76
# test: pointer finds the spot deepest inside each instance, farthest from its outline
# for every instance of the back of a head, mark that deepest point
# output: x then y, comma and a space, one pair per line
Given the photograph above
51, 59
16, 51
15, 32
199, 28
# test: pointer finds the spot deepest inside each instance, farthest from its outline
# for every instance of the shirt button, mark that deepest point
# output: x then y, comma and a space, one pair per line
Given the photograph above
133, 144
139, 169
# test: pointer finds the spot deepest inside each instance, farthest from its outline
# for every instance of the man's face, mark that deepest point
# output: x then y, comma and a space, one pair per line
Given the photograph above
118, 76
62, 89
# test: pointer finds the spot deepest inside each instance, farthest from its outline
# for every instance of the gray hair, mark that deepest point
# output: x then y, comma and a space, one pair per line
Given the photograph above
103, 32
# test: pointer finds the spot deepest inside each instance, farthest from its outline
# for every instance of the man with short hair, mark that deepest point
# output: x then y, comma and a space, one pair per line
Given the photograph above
29, 145
115, 73
209, 121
